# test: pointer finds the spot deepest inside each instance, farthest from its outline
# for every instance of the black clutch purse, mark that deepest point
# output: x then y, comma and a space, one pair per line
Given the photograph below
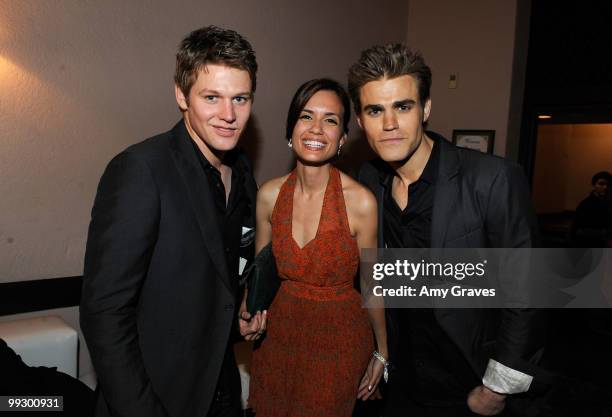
262, 281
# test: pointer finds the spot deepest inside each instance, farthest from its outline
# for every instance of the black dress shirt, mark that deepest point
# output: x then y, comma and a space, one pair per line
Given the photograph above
411, 227
427, 360
231, 214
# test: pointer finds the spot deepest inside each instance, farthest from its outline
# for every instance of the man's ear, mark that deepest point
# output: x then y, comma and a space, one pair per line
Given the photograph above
359, 121
181, 100
426, 110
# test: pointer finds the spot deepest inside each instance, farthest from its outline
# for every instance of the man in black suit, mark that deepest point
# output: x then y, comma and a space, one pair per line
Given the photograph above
433, 194
171, 229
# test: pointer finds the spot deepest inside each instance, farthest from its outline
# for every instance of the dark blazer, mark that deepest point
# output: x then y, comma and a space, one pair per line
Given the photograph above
480, 201
158, 305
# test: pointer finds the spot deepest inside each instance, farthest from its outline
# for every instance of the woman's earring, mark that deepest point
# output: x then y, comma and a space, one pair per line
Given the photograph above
290, 144
339, 149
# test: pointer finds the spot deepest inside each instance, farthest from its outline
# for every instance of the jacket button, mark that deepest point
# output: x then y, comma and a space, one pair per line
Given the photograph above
229, 307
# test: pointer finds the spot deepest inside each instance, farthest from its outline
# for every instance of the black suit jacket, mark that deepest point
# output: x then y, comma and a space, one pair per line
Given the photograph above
157, 306
480, 201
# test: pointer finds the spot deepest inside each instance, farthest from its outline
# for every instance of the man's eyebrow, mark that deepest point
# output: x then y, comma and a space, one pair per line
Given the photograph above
206, 91
376, 107
209, 92
405, 102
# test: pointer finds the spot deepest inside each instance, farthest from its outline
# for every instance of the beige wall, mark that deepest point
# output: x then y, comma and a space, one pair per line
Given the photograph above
81, 80
567, 156
475, 40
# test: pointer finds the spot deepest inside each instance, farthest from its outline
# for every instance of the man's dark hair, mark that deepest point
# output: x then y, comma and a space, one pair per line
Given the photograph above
213, 45
391, 61
602, 175
305, 93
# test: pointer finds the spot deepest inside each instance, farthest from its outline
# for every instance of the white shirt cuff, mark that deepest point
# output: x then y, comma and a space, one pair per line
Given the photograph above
503, 380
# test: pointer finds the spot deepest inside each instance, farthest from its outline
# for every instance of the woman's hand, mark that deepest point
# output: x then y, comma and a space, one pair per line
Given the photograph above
370, 380
252, 327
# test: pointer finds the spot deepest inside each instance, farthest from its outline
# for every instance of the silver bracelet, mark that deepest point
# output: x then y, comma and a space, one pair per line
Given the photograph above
385, 363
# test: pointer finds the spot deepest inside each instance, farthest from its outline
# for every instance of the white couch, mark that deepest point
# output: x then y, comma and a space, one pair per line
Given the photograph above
43, 341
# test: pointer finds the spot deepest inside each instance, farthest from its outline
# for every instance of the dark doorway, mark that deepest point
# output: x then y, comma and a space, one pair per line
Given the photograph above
567, 155
569, 78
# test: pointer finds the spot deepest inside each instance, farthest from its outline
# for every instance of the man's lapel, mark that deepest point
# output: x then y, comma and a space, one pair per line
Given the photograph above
375, 181
200, 196
447, 196
250, 187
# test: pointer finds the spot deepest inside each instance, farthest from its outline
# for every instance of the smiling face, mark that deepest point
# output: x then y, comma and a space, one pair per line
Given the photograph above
392, 117
318, 132
217, 108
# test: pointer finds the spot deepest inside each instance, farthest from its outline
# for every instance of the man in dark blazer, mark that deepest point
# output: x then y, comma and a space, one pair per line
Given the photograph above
449, 362
171, 229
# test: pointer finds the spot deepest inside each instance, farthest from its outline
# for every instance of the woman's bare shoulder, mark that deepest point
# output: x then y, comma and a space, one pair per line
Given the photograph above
269, 190
359, 199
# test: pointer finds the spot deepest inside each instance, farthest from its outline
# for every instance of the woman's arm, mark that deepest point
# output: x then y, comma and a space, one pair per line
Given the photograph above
266, 197
366, 239
362, 209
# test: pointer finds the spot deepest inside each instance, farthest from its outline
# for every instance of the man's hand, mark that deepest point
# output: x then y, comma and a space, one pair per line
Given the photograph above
252, 327
483, 401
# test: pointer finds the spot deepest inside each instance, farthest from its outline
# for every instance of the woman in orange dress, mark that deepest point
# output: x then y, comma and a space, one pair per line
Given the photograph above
317, 355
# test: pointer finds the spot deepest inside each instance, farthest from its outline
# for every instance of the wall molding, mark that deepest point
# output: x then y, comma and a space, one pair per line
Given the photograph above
41, 294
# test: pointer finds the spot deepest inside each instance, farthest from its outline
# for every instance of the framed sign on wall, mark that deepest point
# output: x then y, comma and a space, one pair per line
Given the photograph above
480, 140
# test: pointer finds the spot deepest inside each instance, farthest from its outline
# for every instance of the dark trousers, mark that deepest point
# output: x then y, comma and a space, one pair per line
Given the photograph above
400, 406
226, 401
413, 409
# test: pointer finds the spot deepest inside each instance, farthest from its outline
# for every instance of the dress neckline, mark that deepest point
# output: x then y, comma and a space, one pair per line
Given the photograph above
293, 180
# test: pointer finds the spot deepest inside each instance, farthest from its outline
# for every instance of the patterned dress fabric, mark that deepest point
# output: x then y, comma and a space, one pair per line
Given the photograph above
319, 339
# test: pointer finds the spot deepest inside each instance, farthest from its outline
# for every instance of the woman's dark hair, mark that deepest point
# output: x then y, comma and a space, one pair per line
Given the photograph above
305, 93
